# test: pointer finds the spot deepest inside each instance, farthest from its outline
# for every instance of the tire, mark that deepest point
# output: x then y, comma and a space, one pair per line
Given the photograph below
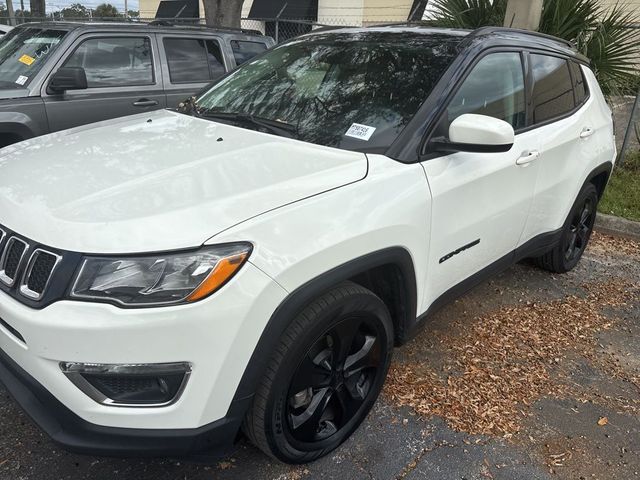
324, 376
576, 233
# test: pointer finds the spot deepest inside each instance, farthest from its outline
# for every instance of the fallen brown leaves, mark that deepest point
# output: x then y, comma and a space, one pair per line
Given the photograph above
505, 361
609, 244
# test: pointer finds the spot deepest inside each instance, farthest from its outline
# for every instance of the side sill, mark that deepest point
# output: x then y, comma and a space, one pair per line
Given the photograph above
537, 246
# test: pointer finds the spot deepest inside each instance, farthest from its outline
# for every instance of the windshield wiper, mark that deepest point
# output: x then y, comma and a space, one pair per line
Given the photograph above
276, 127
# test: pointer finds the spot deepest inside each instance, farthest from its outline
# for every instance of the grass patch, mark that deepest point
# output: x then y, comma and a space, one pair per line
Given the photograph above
622, 196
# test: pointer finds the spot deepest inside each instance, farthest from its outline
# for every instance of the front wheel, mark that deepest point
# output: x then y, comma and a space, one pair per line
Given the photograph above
575, 234
324, 377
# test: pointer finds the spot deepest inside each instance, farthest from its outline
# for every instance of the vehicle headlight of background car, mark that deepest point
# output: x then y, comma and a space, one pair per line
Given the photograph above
160, 279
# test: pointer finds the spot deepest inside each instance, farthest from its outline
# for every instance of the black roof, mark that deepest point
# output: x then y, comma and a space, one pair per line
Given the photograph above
498, 35
157, 25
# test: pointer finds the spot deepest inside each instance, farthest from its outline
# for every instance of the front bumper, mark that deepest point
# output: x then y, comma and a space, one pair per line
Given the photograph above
216, 335
77, 435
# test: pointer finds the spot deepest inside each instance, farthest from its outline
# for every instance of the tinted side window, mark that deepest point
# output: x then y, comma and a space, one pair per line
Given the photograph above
495, 87
114, 62
243, 50
552, 90
193, 60
579, 84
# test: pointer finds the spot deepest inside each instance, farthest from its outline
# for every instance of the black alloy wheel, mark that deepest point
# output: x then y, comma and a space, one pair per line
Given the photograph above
325, 375
334, 379
575, 234
580, 230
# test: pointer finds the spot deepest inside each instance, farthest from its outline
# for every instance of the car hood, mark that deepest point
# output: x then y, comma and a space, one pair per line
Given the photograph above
157, 181
9, 93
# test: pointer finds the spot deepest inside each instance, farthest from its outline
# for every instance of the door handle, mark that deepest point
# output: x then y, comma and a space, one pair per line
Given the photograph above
587, 132
145, 102
527, 157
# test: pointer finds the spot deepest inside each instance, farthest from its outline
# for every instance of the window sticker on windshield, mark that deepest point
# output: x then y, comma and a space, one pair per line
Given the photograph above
26, 59
22, 80
362, 132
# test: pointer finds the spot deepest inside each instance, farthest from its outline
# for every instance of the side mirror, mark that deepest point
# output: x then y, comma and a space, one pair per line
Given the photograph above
477, 133
68, 78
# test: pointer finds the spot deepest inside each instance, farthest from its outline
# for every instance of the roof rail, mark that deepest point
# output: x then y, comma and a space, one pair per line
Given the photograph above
487, 30
406, 23
188, 23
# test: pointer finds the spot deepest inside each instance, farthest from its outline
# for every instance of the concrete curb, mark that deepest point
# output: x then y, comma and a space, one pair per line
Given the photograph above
619, 227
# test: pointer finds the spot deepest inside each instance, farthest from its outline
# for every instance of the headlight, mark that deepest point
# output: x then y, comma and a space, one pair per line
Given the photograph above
159, 279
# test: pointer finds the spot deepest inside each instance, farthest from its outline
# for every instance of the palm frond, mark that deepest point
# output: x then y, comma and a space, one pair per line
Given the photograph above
606, 36
569, 19
467, 13
613, 47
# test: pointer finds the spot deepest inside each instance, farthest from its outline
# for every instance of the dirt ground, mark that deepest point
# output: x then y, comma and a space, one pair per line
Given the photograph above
529, 376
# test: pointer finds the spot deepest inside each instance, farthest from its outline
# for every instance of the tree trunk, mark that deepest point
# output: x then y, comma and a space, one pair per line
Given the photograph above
10, 12
37, 9
223, 13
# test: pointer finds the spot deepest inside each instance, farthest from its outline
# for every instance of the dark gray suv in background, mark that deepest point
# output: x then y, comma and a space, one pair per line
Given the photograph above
60, 75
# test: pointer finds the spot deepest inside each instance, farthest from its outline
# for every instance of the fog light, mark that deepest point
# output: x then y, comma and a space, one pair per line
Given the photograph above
126, 385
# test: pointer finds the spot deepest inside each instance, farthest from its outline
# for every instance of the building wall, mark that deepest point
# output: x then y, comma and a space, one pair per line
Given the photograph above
628, 4
148, 8
333, 12
385, 11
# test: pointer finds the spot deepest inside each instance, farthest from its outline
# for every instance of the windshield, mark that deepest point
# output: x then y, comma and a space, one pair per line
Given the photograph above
354, 91
23, 52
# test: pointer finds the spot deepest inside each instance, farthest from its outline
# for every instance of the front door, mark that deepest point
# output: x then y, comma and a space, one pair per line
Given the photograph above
480, 201
122, 79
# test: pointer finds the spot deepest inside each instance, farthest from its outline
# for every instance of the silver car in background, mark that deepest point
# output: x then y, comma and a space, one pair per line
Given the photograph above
58, 75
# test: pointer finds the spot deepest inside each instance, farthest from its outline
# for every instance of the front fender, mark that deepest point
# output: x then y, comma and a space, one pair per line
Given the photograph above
24, 119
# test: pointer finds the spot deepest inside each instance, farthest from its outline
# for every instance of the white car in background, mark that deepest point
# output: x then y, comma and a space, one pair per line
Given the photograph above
170, 279
5, 29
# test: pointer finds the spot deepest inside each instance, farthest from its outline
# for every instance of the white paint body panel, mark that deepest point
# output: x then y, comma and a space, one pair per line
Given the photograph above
565, 157
130, 186
157, 181
471, 128
217, 335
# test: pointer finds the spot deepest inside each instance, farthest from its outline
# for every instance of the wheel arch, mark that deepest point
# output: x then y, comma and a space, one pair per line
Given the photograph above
13, 133
386, 272
599, 176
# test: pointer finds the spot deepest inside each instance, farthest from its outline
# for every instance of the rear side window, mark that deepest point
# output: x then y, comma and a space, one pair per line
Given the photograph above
579, 84
193, 60
495, 87
243, 50
114, 62
552, 89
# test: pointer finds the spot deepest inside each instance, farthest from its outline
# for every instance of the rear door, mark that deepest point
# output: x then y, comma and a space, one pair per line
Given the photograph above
559, 116
190, 63
122, 78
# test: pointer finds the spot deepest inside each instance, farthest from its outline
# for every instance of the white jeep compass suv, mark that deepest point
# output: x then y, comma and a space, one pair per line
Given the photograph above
248, 263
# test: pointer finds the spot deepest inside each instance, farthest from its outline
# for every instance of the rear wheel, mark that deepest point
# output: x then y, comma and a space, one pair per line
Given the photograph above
324, 377
575, 235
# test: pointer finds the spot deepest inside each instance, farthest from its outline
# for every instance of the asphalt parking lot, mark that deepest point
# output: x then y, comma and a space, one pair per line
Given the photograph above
530, 376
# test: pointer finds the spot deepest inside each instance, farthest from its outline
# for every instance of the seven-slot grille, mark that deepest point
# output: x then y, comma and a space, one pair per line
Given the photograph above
34, 271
